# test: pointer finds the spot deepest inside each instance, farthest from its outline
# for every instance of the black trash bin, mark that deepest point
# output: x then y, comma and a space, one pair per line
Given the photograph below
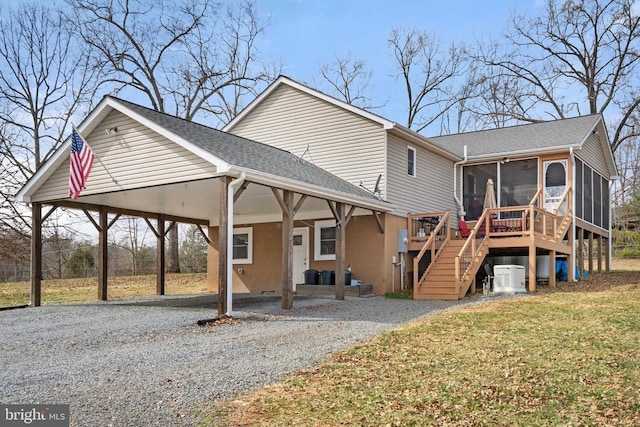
311, 277
347, 278
327, 277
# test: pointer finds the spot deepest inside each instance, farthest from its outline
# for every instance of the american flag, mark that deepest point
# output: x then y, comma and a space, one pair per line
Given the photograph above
80, 161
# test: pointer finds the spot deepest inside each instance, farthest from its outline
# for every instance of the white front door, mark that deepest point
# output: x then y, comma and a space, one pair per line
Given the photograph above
300, 254
555, 183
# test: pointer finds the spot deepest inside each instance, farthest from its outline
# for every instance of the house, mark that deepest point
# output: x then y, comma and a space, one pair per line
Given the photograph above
301, 181
553, 185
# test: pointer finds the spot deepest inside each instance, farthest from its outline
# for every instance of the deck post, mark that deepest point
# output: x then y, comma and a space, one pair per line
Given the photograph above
552, 269
341, 226
590, 252
571, 258
580, 251
607, 255
36, 254
287, 249
599, 262
160, 261
103, 249
532, 268
223, 250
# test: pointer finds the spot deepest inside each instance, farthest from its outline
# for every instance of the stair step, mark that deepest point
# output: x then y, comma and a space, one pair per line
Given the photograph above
440, 297
437, 287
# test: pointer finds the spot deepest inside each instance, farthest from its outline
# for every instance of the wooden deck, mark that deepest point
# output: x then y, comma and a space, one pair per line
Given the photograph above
445, 266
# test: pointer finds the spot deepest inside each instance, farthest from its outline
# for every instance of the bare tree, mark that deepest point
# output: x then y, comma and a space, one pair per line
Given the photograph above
578, 57
427, 73
182, 56
194, 250
349, 79
44, 83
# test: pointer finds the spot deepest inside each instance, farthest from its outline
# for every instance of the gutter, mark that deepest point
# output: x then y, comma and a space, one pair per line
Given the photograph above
230, 191
461, 212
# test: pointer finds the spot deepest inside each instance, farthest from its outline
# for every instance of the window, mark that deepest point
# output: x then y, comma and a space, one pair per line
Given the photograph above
605, 203
475, 185
411, 161
592, 196
324, 237
518, 182
515, 181
587, 188
243, 245
578, 192
597, 200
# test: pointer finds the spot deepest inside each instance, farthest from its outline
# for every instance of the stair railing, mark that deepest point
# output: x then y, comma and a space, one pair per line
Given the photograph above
474, 243
566, 204
436, 241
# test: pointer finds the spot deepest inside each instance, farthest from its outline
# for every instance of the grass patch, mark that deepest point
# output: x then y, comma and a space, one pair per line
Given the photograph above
86, 289
406, 294
558, 358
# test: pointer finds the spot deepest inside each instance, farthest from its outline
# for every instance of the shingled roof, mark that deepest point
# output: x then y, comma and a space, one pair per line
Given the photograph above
244, 153
521, 139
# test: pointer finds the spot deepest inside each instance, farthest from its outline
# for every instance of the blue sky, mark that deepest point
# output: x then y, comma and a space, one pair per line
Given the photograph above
305, 34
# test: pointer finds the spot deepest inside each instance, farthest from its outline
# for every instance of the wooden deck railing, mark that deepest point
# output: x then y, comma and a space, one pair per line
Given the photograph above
474, 243
421, 225
437, 237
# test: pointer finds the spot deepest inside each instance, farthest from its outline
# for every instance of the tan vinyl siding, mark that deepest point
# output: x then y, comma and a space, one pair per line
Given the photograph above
134, 157
339, 141
432, 188
593, 155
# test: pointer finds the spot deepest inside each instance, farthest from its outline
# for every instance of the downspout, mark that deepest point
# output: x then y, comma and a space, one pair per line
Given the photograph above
230, 191
461, 212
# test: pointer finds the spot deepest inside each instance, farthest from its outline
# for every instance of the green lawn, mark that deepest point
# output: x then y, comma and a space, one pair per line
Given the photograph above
562, 357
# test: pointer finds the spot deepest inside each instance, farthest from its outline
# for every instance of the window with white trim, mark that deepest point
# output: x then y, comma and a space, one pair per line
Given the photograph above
324, 240
242, 245
411, 161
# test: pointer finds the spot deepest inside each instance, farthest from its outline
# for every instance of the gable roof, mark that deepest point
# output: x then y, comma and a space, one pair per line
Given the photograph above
388, 125
230, 154
521, 139
246, 154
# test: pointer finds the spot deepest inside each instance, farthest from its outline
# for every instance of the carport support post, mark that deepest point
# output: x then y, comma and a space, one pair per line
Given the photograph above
287, 249
223, 249
160, 261
341, 226
102, 256
36, 254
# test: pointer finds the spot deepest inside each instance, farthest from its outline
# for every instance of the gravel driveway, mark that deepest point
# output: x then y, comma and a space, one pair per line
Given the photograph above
145, 361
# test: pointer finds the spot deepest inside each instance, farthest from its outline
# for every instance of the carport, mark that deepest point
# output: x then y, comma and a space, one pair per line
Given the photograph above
168, 171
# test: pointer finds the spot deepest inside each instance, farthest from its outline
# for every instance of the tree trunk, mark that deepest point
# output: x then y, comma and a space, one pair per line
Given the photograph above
173, 254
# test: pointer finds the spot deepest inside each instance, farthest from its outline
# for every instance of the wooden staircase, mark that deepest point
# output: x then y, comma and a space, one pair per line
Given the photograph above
439, 282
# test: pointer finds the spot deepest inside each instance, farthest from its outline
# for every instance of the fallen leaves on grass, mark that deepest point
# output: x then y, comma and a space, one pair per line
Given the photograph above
564, 357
